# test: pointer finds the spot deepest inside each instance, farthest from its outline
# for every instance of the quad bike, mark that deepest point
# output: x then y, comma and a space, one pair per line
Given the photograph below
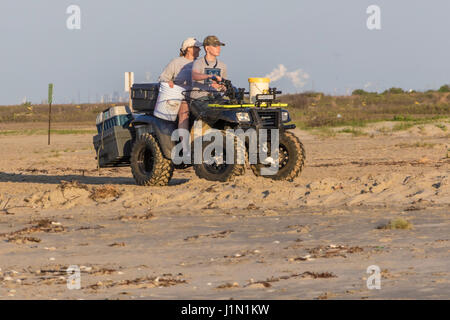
144, 142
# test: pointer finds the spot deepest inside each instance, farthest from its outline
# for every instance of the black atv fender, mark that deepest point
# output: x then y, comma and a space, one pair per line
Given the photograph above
161, 129
213, 116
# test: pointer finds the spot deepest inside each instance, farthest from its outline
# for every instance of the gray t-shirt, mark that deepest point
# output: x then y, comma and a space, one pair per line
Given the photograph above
179, 70
203, 87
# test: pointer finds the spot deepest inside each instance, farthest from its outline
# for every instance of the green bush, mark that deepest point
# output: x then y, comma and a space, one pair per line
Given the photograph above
402, 118
444, 88
394, 90
313, 94
359, 92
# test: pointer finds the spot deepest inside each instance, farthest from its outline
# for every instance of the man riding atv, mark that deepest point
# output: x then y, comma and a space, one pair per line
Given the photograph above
152, 147
155, 146
208, 68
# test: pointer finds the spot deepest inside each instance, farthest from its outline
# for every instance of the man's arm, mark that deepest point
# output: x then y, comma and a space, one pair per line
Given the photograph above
198, 76
197, 73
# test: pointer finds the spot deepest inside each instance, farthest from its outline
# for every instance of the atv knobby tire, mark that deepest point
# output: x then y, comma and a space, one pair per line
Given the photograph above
148, 165
221, 173
292, 159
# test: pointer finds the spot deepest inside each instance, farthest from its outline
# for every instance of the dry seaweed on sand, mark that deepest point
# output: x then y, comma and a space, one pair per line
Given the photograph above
104, 192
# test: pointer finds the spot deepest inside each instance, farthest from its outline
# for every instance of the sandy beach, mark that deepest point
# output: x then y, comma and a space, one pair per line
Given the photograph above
251, 238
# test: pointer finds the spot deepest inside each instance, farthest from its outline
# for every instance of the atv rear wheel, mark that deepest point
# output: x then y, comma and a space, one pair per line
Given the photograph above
148, 165
219, 172
292, 157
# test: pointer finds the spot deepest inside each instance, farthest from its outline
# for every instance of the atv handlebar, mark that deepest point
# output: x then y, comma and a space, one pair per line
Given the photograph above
225, 82
236, 95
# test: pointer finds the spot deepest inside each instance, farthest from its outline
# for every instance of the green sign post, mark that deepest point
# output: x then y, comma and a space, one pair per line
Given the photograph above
50, 100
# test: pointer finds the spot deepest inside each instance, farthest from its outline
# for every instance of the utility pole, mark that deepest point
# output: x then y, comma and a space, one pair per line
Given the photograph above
50, 100
129, 80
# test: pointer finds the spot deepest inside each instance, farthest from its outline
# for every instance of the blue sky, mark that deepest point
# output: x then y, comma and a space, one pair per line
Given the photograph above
328, 40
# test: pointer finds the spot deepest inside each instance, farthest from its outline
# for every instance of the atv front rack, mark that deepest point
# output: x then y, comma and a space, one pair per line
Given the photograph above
249, 105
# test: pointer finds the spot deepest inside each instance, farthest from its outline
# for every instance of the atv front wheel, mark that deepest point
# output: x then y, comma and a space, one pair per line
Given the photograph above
292, 157
148, 165
219, 171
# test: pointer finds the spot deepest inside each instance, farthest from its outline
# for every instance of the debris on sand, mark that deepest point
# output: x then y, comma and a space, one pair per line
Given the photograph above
117, 244
210, 206
4, 206
316, 275
144, 282
325, 296
148, 216
306, 274
104, 192
299, 228
74, 184
211, 189
398, 223
242, 254
252, 206
94, 227
216, 235
23, 240
67, 195
332, 250
304, 258
43, 225
101, 271
228, 285
259, 285
270, 213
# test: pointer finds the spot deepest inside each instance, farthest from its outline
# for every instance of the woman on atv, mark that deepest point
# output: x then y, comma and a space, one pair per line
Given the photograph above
174, 80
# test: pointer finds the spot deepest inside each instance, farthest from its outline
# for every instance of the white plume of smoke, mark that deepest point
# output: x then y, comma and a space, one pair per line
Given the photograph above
297, 77
277, 73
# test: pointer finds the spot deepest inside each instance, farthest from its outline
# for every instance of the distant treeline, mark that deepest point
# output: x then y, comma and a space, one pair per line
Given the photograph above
308, 110
443, 89
28, 112
315, 109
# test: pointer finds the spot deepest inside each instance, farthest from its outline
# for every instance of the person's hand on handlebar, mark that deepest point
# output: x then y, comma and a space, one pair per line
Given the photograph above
217, 79
218, 86
217, 83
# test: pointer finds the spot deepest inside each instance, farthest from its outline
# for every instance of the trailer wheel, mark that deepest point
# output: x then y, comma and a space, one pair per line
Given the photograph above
148, 165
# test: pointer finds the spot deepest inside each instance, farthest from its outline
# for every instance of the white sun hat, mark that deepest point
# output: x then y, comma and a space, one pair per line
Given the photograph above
190, 42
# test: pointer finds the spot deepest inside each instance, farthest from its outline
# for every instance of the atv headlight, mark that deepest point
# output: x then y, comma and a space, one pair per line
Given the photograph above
243, 117
285, 116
